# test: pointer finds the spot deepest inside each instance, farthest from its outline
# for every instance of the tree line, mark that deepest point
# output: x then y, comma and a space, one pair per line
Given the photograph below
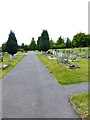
44, 43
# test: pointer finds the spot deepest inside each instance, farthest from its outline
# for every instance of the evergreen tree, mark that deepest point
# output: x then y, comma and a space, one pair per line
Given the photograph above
44, 41
12, 46
33, 44
39, 44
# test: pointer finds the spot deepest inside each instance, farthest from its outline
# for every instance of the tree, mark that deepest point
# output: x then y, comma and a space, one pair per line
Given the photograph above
39, 45
4, 46
26, 48
60, 43
12, 46
68, 43
80, 40
52, 44
44, 41
22, 45
32, 44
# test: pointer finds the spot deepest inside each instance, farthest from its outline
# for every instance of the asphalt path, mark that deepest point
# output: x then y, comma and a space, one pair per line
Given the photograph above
30, 91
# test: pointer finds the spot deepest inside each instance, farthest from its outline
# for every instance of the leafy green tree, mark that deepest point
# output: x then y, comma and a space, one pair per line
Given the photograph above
4, 47
12, 46
80, 40
32, 44
68, 43
44, 41
52, 44
60, 43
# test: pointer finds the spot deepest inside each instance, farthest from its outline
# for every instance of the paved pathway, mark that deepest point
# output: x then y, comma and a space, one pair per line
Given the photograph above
29, 91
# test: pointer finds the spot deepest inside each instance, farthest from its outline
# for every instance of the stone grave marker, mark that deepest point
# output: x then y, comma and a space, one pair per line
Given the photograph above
10, 58
63, 51
1, 59
65, 60
14, 56
55, 53
79, 49
51, 54
60, 55
86, 54
68, 53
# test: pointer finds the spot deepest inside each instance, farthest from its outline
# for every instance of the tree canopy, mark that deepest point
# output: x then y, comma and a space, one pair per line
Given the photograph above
12, 46
32, 45
43, 42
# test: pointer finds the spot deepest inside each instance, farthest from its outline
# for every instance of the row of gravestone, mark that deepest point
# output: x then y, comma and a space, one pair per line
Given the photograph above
70, 52
65, 60
10, 58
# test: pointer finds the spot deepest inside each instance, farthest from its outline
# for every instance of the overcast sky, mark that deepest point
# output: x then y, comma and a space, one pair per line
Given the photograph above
27, 18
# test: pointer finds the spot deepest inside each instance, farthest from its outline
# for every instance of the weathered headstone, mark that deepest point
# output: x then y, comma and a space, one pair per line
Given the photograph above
86, 54
63, 51
65, 60
55, 53
51, 54
10, 58
60, 55
79, 49
71, 66
1, 59
14, 56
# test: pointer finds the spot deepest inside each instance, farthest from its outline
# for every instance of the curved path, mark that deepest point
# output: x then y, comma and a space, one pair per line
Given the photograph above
30, 91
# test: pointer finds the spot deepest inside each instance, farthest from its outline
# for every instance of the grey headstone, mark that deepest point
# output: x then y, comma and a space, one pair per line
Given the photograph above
14, 56
10, 58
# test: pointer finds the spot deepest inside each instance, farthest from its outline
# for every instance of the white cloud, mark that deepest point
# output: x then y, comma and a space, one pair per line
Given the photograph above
27, 18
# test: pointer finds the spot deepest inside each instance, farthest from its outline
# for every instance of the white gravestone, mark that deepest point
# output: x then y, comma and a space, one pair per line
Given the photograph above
10, 58
14, 56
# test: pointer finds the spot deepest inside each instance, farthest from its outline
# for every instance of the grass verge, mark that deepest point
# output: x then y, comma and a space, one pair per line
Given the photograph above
64, 75
80, 104
12, 64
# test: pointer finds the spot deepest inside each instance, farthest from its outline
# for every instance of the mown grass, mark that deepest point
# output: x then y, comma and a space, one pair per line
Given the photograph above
12, 64
80, 104
64, 75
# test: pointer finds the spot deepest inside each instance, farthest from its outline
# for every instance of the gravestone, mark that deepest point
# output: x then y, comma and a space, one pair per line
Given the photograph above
63, 51
68, 54
65, 60
71, 66
86, 54
72, 51
55, 53
79, 49
1, 59
14, 56
51, 54
10, 58
60, 55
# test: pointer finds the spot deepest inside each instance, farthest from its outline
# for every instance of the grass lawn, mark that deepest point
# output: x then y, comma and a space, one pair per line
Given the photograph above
12, 64
64, 75
80, 104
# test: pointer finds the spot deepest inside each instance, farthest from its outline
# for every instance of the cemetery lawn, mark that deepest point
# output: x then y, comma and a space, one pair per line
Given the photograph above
12, 64
65, 75
80, 104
